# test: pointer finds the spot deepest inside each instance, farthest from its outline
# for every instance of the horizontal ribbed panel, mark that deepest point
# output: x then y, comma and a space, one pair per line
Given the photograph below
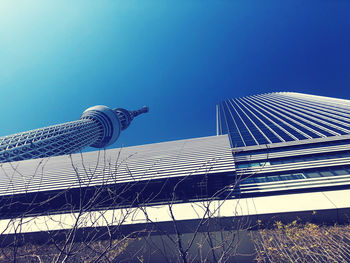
288, 153
280, 169
294, 166
254, 189
208, 155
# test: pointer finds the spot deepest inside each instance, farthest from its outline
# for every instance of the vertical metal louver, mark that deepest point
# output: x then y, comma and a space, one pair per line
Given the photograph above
280, 117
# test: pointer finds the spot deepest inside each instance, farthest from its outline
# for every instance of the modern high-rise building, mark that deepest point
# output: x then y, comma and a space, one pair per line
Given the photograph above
282, 117
288, 142
276, 156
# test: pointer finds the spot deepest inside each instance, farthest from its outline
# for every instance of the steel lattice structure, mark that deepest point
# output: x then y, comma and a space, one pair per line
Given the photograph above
98, 126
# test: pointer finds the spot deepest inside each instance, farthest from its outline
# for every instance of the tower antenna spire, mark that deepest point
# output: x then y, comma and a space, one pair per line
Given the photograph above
126, 116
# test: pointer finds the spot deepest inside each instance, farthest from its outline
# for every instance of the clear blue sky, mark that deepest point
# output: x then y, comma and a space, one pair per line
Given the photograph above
180, 58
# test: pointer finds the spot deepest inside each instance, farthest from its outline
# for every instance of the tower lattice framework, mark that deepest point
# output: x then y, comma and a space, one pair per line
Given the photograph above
98, 126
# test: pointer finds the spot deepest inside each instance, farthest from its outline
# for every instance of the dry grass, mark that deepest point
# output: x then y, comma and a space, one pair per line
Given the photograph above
302, 243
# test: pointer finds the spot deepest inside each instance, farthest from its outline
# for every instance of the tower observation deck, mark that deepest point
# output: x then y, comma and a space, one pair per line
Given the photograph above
98, 127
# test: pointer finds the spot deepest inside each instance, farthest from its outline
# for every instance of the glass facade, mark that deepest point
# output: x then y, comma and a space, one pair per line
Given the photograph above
282, 117
287, 141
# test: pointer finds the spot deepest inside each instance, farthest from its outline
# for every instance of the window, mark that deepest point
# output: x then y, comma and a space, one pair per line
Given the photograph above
243, 165
273, 178
258, 164
340, 172
326, 173
312, 174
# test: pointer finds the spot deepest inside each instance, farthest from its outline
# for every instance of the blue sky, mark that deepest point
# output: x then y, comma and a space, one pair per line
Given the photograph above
180, 58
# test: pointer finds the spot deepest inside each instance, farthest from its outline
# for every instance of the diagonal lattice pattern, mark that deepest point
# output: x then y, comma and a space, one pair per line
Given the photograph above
50, 141
98, 127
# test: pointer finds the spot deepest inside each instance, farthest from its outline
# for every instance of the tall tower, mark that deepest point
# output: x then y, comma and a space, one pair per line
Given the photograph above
98, 126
